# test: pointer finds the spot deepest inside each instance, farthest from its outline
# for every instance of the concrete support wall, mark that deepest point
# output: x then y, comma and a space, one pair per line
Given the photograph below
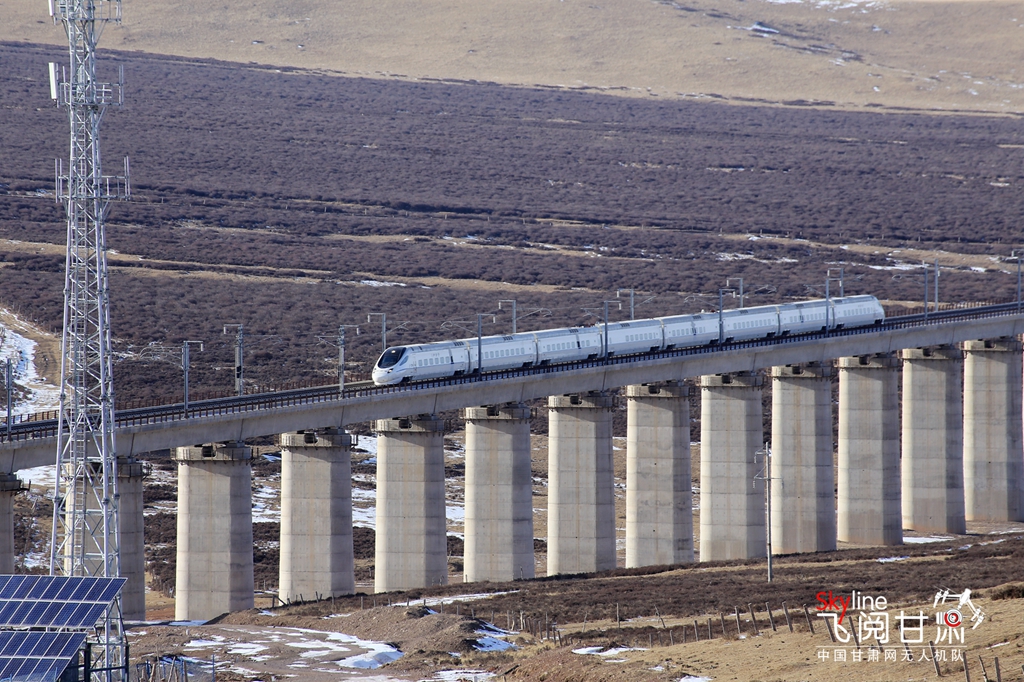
993, 457
214, 565
316, 515
933, 475
869, 510
581, 484
412, 546
731, 501
10, 486
659, 504
803, 481
499, 494
131, 522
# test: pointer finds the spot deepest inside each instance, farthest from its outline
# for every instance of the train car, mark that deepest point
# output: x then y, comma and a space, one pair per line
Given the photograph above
636, 336
502, 352
750, 324
420, 362
690, 331
857, 311
803, 318
568, 345
452, 358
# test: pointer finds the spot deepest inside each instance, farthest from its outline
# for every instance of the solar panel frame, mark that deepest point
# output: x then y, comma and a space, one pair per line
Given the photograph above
40, 657
55, 601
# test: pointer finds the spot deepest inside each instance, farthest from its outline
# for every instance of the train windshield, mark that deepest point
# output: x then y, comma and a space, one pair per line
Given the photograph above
391, 357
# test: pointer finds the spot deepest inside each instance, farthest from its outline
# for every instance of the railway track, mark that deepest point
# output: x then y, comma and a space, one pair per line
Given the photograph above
45, 425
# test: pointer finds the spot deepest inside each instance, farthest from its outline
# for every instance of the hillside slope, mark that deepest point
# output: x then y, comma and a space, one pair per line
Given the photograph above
962, 55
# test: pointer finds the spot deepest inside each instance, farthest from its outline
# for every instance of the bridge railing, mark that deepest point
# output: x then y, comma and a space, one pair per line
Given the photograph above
41, 425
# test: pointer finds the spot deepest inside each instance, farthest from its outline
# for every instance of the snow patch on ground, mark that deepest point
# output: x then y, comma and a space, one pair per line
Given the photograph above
492, 644
601, 651
41, 477
927, 538
460, 676
34, 393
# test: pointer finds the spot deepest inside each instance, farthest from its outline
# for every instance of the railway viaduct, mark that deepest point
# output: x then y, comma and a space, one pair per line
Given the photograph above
952, 454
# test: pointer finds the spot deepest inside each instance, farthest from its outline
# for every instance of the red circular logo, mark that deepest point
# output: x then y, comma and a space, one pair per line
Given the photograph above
953, 618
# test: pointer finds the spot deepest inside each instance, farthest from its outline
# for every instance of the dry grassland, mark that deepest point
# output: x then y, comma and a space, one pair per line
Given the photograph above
933, 55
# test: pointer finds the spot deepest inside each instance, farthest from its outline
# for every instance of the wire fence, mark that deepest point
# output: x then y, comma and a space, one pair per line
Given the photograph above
174, 669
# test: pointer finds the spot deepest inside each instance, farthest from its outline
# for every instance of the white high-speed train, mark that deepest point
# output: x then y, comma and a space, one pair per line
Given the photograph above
454, 358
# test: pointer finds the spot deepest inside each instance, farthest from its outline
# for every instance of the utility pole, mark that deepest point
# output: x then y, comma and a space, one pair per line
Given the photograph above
85, 534
632, 302
185, 363
383, 328
1016, 254
239, 354
766, 476
721, 313
9, 384
606, 354
925, 264
341, 356
829, 278
479, 343
508, 300
729, 283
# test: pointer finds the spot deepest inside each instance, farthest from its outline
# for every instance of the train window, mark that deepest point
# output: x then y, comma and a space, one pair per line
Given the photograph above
390, 357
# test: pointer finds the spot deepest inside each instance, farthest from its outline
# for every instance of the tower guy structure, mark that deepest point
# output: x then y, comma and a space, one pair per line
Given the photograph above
86, 541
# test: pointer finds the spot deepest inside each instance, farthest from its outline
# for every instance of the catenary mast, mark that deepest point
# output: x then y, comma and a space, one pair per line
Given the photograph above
85, 538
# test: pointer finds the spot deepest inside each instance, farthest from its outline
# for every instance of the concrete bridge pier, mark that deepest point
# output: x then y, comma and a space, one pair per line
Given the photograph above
933, 474
499, 494
731, 501
412, 545
10, 485
214, 562
659, 504
993, 456
316, 515
803, 483
869, 451
581, 484
131, 522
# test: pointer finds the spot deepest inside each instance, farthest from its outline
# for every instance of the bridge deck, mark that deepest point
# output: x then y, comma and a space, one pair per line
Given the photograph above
33, 443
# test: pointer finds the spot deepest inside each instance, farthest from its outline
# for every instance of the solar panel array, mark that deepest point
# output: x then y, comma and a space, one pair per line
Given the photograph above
50, 601
37, 656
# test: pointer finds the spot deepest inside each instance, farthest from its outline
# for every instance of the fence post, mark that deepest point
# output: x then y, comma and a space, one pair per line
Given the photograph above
753, 619
810, 625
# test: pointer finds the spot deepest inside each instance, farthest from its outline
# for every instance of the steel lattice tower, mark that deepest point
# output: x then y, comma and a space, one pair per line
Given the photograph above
85, 512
